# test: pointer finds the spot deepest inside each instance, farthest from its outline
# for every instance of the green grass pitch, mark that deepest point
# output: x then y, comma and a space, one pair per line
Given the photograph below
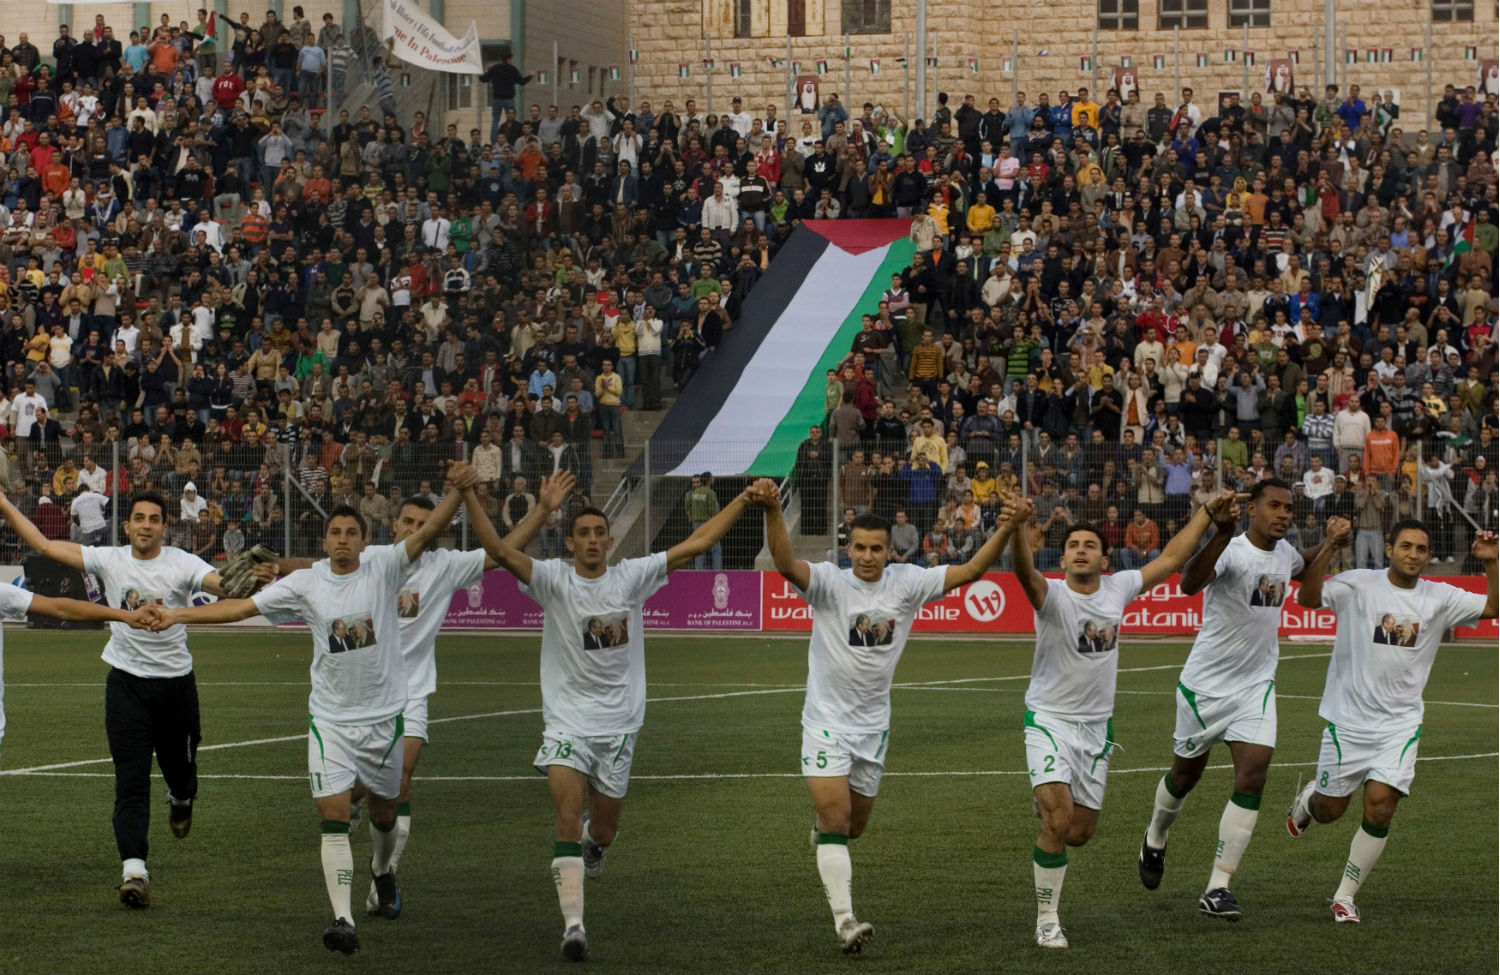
711, 871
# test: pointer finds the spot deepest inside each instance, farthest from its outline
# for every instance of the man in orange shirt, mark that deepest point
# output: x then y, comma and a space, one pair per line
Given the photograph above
1382, 453
56, 177
1142, 541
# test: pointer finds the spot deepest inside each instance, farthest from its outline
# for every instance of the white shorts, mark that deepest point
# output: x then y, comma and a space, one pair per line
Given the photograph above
832, 754
341, 755
416, 718
1347, 760
606, 761
1076, 752
1202, 722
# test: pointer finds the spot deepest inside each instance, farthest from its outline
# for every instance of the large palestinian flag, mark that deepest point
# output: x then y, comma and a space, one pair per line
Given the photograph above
750, 405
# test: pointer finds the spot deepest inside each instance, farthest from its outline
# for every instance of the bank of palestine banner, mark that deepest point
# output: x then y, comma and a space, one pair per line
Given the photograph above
419, 39
749, 406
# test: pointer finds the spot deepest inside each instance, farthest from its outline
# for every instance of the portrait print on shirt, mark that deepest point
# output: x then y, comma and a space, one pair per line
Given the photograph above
1097, 636
867, 631
1269, 591
133, 596
409, 602
1397, 629
351, 633
606, 632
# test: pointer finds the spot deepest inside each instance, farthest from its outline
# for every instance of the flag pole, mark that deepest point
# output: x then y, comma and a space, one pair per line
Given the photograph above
708, 74
1176, 59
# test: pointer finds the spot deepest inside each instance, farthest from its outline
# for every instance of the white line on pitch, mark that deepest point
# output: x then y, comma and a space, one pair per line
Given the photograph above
1279, 696
707, 776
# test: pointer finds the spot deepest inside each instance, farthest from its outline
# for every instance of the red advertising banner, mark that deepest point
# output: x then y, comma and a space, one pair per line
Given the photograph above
996, 604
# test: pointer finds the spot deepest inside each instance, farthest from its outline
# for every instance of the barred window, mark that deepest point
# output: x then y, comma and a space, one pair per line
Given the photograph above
1450, 10
1187, 14
1119, 14
867, 16
1249, 13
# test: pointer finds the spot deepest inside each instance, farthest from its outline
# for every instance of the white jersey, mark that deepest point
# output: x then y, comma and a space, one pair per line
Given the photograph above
88, 508
15, 602
423, 606
1387, 639
358, 676
129, 583
1077, 643
859, 630
1237, 645
593, 651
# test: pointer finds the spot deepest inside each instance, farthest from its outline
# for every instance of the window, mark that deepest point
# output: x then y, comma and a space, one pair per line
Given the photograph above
461, 91
1187, 14
867, 16
1448, 10
743, 18
1119, 14
796, 18
1251, 13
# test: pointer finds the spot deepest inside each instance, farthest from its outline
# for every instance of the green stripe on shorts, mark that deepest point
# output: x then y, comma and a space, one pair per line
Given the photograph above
1410, 743
1192, 700
1029, 721
400, 733
1333, 735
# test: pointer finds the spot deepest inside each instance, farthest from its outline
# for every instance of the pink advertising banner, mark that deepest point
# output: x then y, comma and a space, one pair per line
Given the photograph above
689, 601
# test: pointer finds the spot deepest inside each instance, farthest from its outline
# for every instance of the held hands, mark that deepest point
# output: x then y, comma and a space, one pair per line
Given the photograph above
1340, 531
555, 489
138, 619
156, 617
462, 476
1016, 510
1224, 510
763, 493
1485, 546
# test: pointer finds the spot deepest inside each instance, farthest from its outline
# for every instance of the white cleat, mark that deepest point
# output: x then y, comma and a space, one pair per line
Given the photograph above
1299, 816
853, 935
1049, 934
372, 903
1344, 911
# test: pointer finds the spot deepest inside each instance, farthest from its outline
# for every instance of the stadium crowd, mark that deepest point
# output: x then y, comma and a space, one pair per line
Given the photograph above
1117, 304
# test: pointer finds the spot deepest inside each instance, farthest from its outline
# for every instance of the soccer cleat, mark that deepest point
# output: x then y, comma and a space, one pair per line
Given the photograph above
593, 855
388, 892
179, 817
341, 937
1344, 911
372, 902
135, 892
1220, 902
1151, 863
575, 946
1299, 816
1049, 934
853, 935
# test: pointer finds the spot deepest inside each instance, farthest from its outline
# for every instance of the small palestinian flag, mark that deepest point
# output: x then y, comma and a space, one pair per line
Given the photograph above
635, 55
848, 52
734, 69
1387, 54
932, 62
874, 66
1231, 55
542, 79
1372, 54
796, 67
1295, 56
822, 66
974, 65
1126, 60
1158, 61
614, 72
572, 76
1086, 63
1350, 56
1007, 64
776, 62
708, 64
1202, 60
1249, 59
1471, 52
683, 70
1417, 54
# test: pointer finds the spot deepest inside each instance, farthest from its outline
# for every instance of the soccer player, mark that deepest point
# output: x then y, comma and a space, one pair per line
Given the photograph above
1390, 623
593, 700
359, 686
1227, 688
439, 573
1070, 700
150, 694
862, 617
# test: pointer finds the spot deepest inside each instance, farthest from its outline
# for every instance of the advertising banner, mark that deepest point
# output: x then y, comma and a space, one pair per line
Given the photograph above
421, 40
718, 601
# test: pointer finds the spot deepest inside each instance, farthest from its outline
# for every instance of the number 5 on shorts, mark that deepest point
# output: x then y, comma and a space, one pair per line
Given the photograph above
822, 761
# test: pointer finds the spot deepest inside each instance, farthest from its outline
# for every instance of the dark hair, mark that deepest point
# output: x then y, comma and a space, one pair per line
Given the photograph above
147, 497
1407, 524
418, 501
1092, 529
1261, 487
346, 511
870, 521
585, 512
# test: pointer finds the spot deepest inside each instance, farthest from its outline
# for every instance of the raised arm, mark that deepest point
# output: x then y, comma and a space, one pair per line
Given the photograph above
1022, 562
709, 533
461, 477
1338, 531
499, 551
1310, 592
792, 569
68, 553
1485, 549
1200, 569
974, 569
549, 497
1222, 511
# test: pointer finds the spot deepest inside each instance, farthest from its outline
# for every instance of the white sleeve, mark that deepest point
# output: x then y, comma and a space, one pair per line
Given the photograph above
15, 602
1336, 591
928, 584
546, 580
1463, 608
197, 569
93, 558
1131, 582
282, 600
646, 576
463, 569
822, 577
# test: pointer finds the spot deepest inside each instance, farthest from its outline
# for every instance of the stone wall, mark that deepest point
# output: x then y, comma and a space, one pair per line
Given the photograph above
670, 32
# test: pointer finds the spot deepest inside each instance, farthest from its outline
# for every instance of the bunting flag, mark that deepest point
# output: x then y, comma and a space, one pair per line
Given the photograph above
974, 65
1231, 55
1387, 54
1007, 64
932, 62
874, 66
573, 76
1249, 59
1371, 54
1126, 60
776, 62
1086, 63
1295, 56
734, 69
848, 52
1350, 56
1158, 61
683, 70
1471, 52
614, 72
796, 67
1202, 60
635, 55
708, 64
822, 66
901, 61
542, 79
1417, 54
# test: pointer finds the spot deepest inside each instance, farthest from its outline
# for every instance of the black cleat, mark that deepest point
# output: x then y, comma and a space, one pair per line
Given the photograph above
1152, 863
180, 817
389, 894
1220, 902
341, 937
